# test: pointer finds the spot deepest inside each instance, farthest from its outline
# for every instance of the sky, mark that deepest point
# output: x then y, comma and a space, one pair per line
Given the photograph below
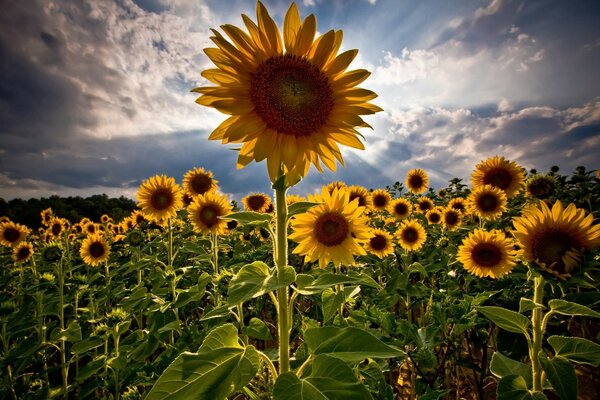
95, 94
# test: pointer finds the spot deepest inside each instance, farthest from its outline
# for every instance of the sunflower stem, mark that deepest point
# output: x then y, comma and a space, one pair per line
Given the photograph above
214, 248
283, 309
536, 323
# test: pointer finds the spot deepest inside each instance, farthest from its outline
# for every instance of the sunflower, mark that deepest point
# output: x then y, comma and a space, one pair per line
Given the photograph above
487, 202
90, 228
332, 231
451, 218
417, 181
137, 217
335, 185
555, 238
198, 181
363, 196
293, 198
12, 233
159, 198
56, 227
541, 186
380, 243
381, 199
424, 204
290, 100
205, 211
500, 173
94, 250
22, 252
411, 235
434, 216
47, 216
257, 202
487, 254
458, 204
401, 208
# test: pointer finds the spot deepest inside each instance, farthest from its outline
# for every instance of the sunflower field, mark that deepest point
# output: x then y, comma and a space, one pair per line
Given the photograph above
485, 290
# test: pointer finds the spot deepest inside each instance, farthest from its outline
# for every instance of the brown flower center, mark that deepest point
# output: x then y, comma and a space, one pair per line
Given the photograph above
23, 253
488, 202
161, 199
410, 235
331, 229
97, 249
291, 95
415, 181
540, 188
208, 215
401, 209
434, 218
256, 202
361, 199
379, 200
451, 218
201, 183
424, 206
378, 242
551, 246
458, 206
498, 177
11, 234
56, 229
232, 224
486, 254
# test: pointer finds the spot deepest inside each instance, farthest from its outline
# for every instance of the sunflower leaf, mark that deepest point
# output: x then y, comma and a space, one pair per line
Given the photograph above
506, 319
578, 350
300, 207
568, 308
250, 218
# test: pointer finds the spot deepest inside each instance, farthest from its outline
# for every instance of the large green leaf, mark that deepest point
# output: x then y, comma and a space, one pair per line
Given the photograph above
502, 366
300, 207
349, 344
576, 349
250, 218
331, 302
257, 329
330, 379
568, 308
506, 319
220, 367
561, 375
513, 387
307, 285
256, 279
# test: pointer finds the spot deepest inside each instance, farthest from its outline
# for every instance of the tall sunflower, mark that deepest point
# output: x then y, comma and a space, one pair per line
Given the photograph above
501, 173
434, 216
56, 227
94, 250
380, 243
487, 254
411, 235
555, 238
47, 216
417, 181
205, 212
381, 199
159, 198
401, 208
451, 218
335, 185
362, 194
12, 233
290, 100
198, 181
332, 231
541, 186
22, 252
487, 202
424, 204
257, 202
458, 204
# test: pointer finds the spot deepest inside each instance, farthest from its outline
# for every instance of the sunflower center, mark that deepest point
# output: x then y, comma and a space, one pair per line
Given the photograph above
434, 218
451, 218
232, 224
56, 229
379, 201
458, 206
256, 202
415, 181
424, 206
209, 215
401, 209
410, 235
161, 199
550, 247
331, 229
498, 177
378, 242
540, 188
361, 200
11, 234
97, 250
201, 183
23, 253
291, 95
487, 202
486, 254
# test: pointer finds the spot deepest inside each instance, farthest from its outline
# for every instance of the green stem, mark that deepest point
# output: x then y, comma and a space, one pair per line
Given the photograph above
340, 289
536, 323
214, 249
283, 310
240, 311
61, 312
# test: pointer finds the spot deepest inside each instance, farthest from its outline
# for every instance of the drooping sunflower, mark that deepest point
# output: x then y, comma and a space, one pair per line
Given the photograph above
159, 198
362, 194
332, 231
205, 212
487, 202
291, 100
424, 204
458, 204
12, 233
500, 173
381, 199
198, 181
380, 243
487, 254
94, 250
540, 186
257, 202
451, 218
401, 208
434, 216
417, 181
411, 235
555, 238
22, 252
47, 216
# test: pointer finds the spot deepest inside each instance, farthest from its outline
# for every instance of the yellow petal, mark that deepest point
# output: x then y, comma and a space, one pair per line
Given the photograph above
341, 62
321, 50
351, 78
306, 35
269, 29
291, 27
